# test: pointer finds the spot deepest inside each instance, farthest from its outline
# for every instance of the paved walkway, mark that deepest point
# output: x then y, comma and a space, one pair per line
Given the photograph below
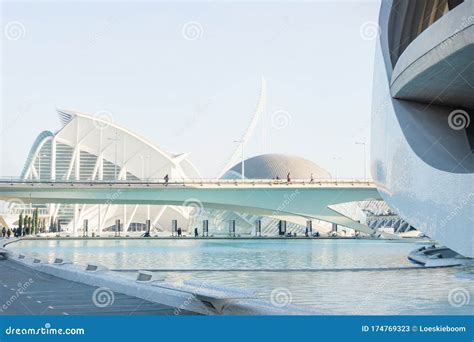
23, 291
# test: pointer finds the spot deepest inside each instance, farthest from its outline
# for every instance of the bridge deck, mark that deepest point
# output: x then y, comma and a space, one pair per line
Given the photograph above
202, 183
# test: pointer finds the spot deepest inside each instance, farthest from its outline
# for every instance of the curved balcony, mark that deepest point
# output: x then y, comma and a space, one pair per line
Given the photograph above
438, 66
423, 168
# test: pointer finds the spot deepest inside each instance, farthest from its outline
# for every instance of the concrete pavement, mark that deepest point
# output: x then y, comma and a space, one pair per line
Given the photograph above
23, 291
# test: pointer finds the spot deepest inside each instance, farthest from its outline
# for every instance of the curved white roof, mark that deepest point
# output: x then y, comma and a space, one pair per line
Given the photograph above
120, 146
269, 166
88, 148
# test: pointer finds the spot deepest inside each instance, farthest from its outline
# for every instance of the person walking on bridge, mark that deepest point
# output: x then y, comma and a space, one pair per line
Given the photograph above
166, 178
288, 178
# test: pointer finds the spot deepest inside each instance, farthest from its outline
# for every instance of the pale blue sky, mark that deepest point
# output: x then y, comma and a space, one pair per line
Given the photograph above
194, 96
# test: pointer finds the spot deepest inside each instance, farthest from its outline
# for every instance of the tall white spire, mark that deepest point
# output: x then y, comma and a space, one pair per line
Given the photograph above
262, 102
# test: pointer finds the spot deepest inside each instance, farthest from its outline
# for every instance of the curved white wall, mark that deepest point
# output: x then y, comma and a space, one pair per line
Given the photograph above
89, 148
437, 202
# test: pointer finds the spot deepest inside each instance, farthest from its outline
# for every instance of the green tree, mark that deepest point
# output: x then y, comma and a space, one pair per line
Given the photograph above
33, 221
25, 225
20, 221
36, 221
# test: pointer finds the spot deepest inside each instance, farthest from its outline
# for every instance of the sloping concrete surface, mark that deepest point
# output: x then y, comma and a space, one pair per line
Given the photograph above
25, 291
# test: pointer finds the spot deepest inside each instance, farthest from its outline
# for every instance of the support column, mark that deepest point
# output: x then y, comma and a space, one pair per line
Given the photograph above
100, 156
258, 228
78, 151
282, 227
75, 161
53, 159
74, 221
232, 228
174, 227
78, 164
85, 228
148, 227
52, 207
99, 227
124, 217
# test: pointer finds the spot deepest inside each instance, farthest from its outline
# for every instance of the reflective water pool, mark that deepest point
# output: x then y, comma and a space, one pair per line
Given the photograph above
323, 275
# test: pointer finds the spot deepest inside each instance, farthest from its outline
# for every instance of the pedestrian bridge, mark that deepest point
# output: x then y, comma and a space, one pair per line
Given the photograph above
301, 199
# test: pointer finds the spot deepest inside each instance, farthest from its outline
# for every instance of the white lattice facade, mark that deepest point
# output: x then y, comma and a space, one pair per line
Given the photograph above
93, 148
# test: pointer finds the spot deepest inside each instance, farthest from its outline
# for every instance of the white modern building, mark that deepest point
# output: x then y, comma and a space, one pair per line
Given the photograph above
95, 148
423, 107
269, 166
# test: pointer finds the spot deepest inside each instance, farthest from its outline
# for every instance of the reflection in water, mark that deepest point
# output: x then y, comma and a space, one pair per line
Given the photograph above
418, 291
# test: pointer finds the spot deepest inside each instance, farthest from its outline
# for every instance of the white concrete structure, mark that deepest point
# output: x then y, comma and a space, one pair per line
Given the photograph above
422, 129
298, 199
268, 166
94, 148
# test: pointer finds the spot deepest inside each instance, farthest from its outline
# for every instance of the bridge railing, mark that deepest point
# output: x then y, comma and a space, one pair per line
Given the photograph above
181, 181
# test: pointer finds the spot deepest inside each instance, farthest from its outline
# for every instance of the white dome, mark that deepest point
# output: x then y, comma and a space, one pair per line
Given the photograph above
269, 166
